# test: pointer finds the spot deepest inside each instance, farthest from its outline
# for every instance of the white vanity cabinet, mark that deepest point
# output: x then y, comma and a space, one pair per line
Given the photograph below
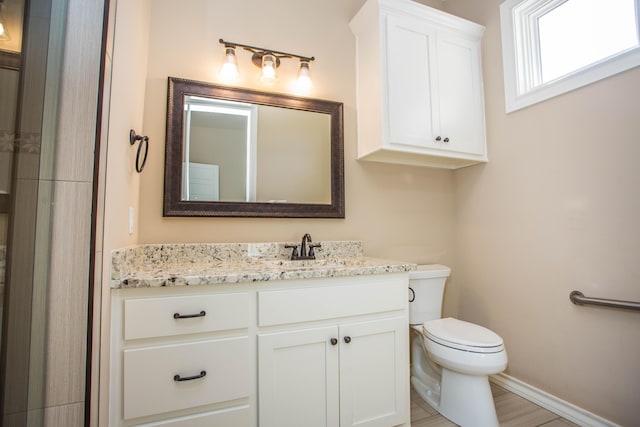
303, 352
419, 86
339, 358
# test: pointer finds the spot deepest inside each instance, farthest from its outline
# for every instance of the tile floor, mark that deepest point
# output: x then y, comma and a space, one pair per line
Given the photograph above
513, 411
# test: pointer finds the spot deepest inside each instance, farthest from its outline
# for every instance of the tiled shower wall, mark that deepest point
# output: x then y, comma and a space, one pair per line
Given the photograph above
54, 184
72, 181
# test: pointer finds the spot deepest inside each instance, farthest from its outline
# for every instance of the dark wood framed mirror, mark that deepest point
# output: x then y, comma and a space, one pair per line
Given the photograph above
245, 153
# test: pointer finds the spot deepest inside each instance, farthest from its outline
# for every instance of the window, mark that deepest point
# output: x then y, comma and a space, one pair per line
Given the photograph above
550, 47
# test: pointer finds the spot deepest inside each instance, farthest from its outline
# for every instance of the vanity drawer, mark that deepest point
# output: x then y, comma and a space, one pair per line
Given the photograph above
151, 387
232, 417
307, 304
156, 317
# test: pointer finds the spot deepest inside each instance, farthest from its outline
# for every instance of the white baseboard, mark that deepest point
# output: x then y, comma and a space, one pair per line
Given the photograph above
550, 402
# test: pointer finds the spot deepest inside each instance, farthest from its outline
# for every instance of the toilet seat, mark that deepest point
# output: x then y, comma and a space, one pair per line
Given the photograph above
462, 335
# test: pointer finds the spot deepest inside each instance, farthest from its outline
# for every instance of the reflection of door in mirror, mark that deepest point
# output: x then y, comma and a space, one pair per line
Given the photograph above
200, 181
219, 156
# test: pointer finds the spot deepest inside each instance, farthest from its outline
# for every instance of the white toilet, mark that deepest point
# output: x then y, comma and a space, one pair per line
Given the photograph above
451, 359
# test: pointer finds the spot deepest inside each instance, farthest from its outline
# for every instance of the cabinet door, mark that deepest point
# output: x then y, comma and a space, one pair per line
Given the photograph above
298, 378
374, 374
461, 99
411, 89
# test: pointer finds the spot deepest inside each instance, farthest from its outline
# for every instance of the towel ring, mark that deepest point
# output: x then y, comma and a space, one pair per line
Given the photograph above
133, 137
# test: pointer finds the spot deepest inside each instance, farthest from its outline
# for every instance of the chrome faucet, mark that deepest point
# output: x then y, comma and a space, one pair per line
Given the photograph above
306, 239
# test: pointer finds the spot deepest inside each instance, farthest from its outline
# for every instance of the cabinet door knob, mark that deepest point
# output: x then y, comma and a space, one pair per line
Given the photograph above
334, 341
347, 339
438, 138
446, 140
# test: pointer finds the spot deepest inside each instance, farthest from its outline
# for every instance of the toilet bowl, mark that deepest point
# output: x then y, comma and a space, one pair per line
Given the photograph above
451, 359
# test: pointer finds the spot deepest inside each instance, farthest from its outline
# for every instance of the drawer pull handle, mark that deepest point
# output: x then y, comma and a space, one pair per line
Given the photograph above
195, 377
189, 316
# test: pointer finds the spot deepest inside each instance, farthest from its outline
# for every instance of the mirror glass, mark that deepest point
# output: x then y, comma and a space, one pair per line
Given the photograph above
223, 160
240, 152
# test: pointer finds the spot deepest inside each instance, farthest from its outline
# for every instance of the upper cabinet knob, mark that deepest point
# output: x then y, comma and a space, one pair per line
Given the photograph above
438, 138
446, 140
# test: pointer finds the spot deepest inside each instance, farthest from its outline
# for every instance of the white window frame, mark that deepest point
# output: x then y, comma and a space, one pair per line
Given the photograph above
521, 56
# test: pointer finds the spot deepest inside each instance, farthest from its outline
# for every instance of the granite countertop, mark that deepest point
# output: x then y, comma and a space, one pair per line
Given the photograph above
206, 264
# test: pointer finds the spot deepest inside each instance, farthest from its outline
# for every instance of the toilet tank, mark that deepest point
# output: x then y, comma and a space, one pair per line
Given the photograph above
427, 283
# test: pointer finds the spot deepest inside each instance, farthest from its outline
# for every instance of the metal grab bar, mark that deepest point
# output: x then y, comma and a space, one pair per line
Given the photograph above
578, 297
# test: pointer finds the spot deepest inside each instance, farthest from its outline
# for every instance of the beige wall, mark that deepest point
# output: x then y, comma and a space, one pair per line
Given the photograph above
555, 209
127, 89
118, 182
399, 212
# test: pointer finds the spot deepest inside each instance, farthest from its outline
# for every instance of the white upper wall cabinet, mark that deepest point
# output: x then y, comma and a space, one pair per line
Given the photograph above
419, 86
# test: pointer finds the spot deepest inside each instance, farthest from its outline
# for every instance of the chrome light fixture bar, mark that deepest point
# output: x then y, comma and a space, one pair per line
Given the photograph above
267, 59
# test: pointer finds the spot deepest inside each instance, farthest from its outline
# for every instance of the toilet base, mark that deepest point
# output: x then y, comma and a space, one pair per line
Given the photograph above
467, 400
425, 376
428, 394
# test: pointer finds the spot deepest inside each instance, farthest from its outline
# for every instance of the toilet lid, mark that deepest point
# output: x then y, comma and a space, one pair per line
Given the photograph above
463, 335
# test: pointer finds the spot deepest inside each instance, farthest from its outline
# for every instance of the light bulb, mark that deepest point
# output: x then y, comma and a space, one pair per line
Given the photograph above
4, 34
303, 83
229, 72
268, 69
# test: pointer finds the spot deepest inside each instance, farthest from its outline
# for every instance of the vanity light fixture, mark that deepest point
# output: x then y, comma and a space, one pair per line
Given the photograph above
268, 60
